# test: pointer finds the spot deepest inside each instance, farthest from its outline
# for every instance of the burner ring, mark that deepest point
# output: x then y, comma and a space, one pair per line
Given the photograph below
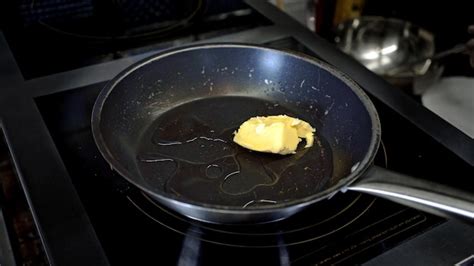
341, 211
226, 235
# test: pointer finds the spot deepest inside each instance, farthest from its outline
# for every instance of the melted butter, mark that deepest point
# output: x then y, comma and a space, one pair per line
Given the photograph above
275, 134
188, 152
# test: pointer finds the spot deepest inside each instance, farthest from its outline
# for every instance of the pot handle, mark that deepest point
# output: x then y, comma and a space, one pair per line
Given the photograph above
417, 193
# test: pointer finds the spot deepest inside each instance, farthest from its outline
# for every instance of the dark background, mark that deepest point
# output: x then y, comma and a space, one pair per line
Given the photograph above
105, 29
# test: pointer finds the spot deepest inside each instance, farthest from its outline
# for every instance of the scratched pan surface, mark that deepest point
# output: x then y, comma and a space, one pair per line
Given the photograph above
166, 125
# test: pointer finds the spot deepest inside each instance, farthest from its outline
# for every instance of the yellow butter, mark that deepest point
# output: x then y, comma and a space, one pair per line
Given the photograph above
276, 134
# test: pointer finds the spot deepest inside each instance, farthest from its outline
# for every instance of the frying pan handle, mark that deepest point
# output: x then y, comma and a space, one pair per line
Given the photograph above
417, 193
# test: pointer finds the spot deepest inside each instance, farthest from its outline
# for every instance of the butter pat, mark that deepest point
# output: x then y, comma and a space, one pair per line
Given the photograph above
276, 134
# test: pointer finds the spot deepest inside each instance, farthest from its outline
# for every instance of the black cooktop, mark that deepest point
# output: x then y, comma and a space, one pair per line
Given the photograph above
86, 214
65, 46
348, 228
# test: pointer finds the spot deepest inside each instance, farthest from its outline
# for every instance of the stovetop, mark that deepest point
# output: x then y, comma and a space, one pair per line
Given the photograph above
66, 46
75, 195
348, 228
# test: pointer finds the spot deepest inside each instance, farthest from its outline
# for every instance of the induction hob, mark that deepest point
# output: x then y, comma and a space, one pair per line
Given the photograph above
348, 228
86, 214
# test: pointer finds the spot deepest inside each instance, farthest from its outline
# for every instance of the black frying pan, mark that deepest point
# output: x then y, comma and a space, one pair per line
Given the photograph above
166, 124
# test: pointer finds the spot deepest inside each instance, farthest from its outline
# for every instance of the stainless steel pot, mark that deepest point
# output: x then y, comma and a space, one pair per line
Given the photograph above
386, 45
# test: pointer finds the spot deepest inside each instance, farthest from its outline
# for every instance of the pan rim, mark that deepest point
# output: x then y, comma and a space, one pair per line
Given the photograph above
343, 182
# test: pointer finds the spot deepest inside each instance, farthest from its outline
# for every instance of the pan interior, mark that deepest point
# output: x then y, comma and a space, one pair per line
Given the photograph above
166, 126
188, 151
